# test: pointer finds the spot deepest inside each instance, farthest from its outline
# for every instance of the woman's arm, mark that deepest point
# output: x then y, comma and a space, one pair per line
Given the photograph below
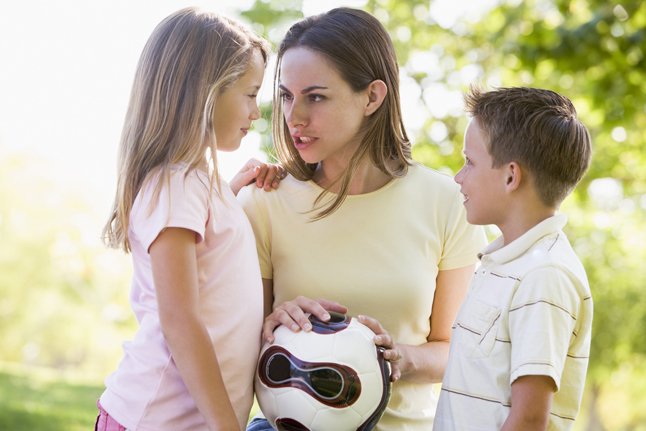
174, 266
268, 295
427, 362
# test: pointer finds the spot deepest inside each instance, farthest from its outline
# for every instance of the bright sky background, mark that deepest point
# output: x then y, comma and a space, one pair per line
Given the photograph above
65, 77
67, 68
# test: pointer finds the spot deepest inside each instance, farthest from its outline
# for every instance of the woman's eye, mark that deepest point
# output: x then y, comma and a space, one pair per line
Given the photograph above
253, 96
316, 97
285, 96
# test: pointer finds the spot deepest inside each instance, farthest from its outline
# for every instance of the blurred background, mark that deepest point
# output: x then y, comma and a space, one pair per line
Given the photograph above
65, 78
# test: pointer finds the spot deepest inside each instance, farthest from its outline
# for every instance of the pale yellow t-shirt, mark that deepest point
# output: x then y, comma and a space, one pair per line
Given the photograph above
378, 254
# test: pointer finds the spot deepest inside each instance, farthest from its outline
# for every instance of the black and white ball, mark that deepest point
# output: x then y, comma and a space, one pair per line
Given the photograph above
331, 378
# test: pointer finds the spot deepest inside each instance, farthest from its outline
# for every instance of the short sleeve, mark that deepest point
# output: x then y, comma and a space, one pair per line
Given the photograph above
256, 210
462, 240
183, 202
542, 320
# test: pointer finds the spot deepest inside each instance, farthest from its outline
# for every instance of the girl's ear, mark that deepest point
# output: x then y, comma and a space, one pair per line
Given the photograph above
514, 176
377, 91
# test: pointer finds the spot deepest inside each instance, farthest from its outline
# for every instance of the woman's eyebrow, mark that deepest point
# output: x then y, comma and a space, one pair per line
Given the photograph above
306, 89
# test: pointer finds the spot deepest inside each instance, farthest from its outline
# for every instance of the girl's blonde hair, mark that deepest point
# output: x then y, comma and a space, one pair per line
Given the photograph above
361, 50
190, 58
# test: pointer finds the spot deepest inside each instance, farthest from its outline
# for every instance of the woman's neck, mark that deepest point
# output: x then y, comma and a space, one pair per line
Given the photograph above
367, 177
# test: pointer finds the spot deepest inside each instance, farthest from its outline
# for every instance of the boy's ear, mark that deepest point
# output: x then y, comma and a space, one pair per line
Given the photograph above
513, 177
377, 91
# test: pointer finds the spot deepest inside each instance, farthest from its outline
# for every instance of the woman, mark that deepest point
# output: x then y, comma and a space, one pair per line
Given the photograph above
357, 223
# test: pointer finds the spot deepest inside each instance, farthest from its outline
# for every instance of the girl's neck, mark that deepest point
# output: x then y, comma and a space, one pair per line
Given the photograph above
367, 178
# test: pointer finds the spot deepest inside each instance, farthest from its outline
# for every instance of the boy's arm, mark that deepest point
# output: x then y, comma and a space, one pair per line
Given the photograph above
531, 399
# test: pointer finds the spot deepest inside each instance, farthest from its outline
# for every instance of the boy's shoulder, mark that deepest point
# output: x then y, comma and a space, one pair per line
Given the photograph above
546, 248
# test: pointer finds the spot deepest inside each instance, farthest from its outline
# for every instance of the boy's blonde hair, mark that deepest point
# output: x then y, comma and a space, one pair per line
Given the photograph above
190, 58
538, 129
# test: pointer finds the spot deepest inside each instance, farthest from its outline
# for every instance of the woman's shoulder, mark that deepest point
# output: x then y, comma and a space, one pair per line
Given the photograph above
420, 175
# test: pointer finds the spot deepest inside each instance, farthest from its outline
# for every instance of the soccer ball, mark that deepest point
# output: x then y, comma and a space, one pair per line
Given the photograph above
330, 378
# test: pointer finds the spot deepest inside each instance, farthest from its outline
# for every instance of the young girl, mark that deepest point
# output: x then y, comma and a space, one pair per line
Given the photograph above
358, 222
196, 289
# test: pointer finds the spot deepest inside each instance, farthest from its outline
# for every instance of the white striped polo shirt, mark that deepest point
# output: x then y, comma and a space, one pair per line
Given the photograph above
528, 312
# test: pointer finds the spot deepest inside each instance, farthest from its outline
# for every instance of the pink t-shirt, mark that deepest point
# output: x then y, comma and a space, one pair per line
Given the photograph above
146, 392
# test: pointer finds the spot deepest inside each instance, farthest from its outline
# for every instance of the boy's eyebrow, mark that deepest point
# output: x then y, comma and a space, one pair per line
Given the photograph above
306, 89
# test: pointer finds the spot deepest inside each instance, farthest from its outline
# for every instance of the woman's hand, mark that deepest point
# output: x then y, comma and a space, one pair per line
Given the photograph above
294, 314
383, 339
266, 176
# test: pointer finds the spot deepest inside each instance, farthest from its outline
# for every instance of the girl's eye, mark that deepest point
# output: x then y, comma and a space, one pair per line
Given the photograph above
316, 97
253, 96
286, 96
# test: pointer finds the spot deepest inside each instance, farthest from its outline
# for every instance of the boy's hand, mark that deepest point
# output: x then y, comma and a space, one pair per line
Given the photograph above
265, 175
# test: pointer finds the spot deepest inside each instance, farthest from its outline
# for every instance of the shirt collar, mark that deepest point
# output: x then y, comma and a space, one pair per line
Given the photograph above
495, 252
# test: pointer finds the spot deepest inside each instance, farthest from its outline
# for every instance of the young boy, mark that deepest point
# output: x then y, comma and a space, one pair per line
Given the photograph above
520, 343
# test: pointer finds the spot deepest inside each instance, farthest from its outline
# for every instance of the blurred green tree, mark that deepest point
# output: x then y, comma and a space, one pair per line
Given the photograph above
61, 291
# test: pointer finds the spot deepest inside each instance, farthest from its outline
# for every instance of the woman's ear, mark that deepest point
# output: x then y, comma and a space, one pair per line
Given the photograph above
377, 91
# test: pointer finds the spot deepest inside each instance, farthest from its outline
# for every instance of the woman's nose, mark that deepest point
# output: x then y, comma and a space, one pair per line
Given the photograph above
295, 115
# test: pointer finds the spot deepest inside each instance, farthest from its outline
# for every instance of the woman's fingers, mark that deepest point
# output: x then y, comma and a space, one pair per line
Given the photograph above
295, 314
382, 338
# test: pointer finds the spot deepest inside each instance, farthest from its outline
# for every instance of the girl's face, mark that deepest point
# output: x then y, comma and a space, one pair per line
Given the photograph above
236, 107
323, 113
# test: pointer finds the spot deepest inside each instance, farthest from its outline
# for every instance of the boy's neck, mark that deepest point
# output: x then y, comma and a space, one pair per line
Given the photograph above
522, 217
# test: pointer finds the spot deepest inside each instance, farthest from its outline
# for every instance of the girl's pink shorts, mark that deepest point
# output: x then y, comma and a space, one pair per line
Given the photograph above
104, 422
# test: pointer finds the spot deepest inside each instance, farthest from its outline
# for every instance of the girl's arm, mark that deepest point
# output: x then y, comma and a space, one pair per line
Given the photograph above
174, 266
427, 362
266, 176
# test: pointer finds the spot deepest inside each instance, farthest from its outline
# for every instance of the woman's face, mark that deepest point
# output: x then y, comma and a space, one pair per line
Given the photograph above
323, 113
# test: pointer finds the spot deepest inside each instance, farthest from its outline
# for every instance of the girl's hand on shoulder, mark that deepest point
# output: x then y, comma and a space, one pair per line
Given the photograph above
295, 315
382, 338
266, 175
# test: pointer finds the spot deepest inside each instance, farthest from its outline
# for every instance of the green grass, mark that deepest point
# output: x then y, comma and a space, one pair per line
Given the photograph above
41, 400
35, 399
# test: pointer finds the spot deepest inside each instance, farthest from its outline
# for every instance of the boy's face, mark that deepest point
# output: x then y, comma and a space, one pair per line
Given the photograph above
482, 185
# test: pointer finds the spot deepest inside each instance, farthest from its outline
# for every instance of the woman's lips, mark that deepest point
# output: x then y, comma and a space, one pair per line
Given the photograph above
302, 142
